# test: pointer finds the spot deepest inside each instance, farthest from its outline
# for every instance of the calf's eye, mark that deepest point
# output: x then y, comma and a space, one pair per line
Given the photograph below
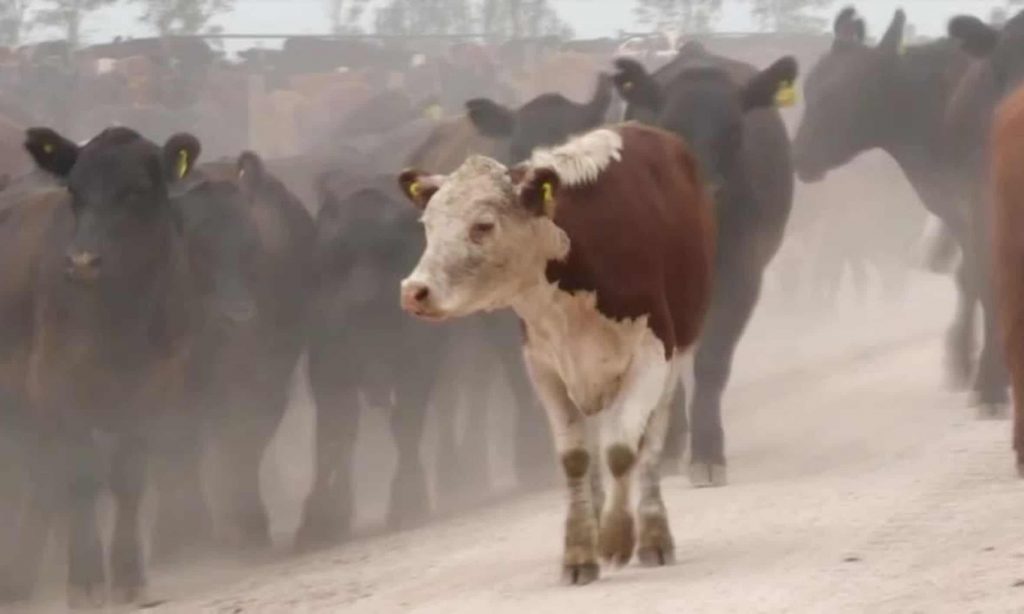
480, 231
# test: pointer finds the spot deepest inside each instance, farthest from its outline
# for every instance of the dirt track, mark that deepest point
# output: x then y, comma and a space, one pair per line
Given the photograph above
858, 484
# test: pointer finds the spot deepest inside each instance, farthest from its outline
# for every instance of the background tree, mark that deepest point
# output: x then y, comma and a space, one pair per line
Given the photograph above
687, 16
790, 15
521, 19
408, 17
12, 21
67, 15
183, 16
345, 15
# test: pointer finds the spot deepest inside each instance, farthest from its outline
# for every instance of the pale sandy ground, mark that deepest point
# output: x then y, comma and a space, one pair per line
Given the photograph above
859, 484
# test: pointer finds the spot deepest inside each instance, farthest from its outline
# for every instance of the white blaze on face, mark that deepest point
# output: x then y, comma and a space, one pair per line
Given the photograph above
483, 247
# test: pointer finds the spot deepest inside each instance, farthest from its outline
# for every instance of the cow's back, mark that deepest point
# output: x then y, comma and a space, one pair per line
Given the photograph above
642, 236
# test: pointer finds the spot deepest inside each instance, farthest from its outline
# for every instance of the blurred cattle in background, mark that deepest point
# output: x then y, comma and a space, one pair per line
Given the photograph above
725, 111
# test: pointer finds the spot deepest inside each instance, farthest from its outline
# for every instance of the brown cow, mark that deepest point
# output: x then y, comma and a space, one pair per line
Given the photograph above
604, 248
1008, 218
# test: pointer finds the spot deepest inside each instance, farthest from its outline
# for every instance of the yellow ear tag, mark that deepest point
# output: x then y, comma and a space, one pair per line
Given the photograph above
627, 86
786, 96
48, 148
415, 189
182, 163
434, 112
903, 49
549, 198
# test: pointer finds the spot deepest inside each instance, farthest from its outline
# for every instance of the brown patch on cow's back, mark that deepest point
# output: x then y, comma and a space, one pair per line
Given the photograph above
653, 193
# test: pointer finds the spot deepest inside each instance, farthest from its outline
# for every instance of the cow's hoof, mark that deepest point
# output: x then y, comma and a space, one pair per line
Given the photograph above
11, 592
128, 595
313, 536
617, 538
1020, 469
656, 546
993, 411
708, 475
655, 557
581, 574
87, 597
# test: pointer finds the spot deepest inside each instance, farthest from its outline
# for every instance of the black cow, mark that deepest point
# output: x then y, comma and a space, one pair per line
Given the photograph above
886, 97
724, 111
241, 365
110, 332
107, 355
549, 119
366, 238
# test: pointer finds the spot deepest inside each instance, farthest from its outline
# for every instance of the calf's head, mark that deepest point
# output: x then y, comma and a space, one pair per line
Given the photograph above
489, 236
118, 186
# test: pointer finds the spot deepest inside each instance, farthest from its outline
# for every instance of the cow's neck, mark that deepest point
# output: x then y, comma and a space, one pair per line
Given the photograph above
914, 122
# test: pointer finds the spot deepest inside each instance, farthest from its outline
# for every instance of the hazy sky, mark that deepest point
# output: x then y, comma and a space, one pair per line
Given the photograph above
590, 18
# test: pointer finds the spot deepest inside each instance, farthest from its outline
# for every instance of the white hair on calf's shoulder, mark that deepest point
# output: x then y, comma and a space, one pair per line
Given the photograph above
581, 160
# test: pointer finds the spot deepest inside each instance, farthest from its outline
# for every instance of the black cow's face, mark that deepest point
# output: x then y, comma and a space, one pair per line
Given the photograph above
545, 121
224, 249
367, 238
118, 184
705, 107
849, 100
1004, 49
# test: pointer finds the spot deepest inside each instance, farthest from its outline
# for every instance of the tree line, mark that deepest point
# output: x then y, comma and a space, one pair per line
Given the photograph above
497, 19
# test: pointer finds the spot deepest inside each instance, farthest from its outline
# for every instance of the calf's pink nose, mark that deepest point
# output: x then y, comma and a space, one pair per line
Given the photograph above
415, 296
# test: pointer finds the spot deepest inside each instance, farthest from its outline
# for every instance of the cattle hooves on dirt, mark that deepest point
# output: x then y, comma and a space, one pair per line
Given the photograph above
127, 595
708, 475
582, 574
86, 597
993, 411
617, 538
655, 556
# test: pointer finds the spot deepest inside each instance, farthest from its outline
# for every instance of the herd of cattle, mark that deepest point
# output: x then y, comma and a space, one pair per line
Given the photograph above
154, 308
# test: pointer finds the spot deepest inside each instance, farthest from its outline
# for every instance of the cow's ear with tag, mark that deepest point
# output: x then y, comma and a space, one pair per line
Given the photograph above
538, 189
51, 152
419, 187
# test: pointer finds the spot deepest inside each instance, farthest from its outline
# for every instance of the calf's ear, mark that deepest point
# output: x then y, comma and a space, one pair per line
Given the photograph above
50, 151
773, 86
538, 189
976, 37
180, 153
490, 118
419, 187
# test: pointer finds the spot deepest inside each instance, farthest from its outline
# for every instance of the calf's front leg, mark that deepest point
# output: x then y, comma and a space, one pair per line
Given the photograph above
579, 562
633, 431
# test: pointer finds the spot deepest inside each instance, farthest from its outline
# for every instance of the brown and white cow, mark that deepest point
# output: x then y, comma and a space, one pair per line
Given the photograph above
603, 247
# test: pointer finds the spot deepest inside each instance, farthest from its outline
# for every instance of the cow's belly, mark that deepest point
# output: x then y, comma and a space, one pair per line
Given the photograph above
590, 352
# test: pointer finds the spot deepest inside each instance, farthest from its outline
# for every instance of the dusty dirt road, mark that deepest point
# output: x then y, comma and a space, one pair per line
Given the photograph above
858, 484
